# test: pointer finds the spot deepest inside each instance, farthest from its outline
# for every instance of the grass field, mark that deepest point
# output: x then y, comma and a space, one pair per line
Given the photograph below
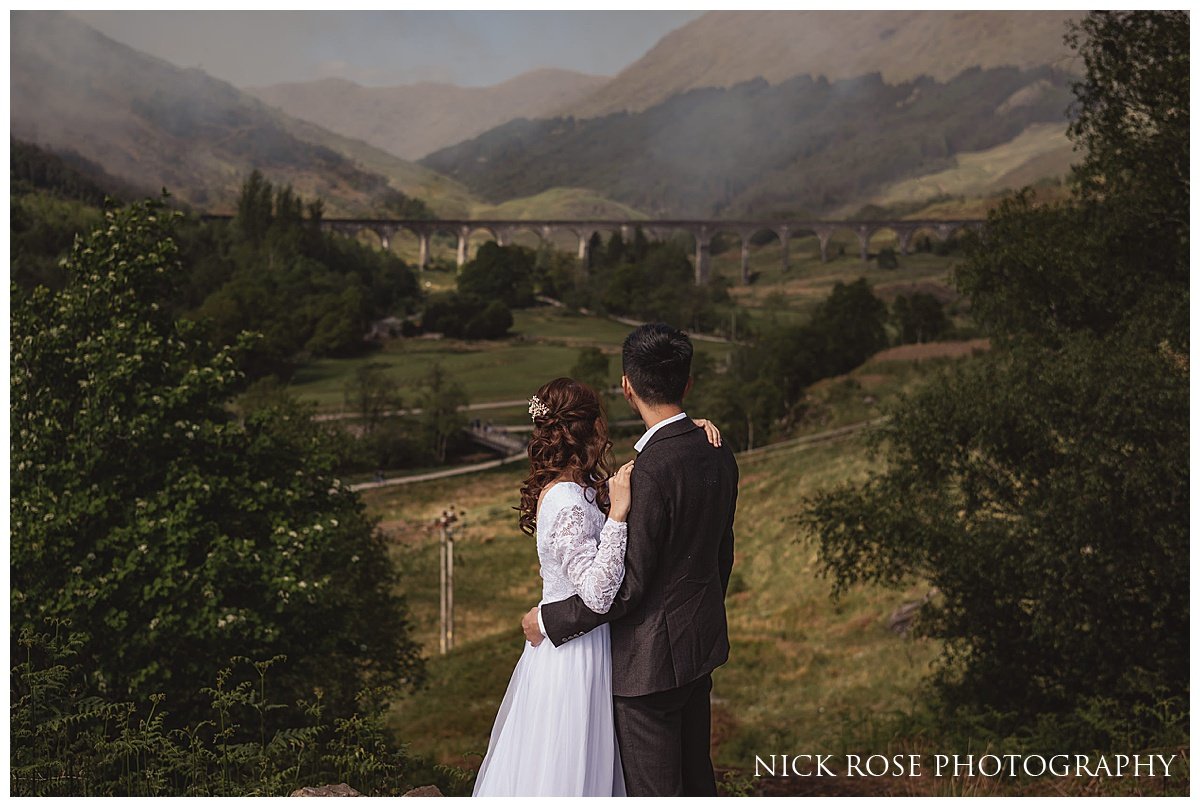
545, 344
804, 673
546, 340
793, 295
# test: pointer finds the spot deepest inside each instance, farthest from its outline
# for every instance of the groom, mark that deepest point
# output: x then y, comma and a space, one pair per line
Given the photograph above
667, 624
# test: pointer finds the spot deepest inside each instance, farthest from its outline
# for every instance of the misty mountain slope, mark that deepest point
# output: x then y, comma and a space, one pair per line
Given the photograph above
153, 124
446, 197
724, 48
804, 146
413, 120
1041, 151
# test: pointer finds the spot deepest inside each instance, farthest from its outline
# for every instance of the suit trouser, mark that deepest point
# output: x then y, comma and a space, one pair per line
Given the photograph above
664, 741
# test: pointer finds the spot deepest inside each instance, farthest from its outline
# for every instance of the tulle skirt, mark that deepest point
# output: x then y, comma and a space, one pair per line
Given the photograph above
554, 733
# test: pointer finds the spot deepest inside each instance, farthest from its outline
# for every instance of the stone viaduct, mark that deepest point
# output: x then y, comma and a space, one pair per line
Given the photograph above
702, 231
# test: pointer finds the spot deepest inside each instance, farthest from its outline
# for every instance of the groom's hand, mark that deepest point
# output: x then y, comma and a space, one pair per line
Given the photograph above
529, 624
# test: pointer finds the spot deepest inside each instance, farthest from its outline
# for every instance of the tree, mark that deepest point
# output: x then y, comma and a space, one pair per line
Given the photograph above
466, 316
370, 393
595, 251
745, 409
554, 272
919, 317
615, 252
852, 322
1043, 487
254, 209
886, 259
442, 401
591, 368
500, 273
492, 322
273, 271
172, 533
641, 245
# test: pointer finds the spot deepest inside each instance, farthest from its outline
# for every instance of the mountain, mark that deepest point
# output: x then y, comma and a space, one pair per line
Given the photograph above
724, 48
153, 124
413, 120
804, 146
1040, 152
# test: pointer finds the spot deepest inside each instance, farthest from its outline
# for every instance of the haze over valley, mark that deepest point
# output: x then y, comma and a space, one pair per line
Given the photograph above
731, 114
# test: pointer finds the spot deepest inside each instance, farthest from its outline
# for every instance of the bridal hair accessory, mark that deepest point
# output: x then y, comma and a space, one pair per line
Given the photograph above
537, 409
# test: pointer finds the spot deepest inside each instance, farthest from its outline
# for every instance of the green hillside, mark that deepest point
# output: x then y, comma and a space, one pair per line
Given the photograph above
545, 344
804, 146
557, 203
1039, 152
447, 198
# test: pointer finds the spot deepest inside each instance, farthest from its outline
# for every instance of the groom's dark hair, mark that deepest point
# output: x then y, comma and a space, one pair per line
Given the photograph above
657, 360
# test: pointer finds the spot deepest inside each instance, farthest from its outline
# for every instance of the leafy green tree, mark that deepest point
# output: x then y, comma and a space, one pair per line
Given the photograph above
370, 393
640, 246
595, 251
887, 259
851, 323
254, 208
171, 532
442, 401
554, 272
463, 315
1043, 488
591, 368
745, 410
492, 322
616, 252
500, 273
919, 317
339, 330
274, 271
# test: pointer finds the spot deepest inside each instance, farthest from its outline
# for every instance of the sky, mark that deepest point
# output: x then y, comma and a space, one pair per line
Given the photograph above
384, 48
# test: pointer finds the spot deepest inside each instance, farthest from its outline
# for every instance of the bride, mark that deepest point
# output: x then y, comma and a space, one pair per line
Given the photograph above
554, 731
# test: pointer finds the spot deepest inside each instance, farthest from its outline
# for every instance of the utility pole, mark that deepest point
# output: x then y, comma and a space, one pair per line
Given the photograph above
449, 518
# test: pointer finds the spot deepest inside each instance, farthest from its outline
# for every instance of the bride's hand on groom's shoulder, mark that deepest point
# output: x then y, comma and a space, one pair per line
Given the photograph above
710, 430
619, 496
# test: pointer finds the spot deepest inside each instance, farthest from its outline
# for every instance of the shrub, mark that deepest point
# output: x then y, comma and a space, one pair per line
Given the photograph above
886, 259
492, 322
176, 533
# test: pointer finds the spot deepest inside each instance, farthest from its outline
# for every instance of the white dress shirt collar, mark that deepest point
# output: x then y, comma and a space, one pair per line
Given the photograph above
640, 444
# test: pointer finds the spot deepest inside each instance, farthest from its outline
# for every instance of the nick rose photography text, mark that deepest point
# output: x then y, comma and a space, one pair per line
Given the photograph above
875, 765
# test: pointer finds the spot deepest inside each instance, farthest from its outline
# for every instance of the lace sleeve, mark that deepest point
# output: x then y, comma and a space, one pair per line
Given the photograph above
595, 571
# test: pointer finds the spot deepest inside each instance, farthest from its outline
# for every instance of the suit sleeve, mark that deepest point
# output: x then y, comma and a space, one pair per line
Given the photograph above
647, 529
725, 556
725, 551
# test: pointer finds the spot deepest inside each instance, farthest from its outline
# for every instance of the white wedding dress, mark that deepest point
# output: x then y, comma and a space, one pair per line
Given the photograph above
554, 733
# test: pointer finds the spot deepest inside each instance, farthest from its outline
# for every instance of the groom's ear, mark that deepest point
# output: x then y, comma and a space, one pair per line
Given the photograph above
688, 386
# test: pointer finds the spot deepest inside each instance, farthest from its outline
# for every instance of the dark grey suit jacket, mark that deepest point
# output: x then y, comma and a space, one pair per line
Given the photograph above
668, 622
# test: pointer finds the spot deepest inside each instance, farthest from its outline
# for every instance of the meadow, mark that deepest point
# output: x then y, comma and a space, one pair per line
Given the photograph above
793, 295
545, 341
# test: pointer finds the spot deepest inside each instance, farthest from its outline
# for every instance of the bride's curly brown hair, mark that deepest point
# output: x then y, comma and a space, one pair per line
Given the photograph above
570, 441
